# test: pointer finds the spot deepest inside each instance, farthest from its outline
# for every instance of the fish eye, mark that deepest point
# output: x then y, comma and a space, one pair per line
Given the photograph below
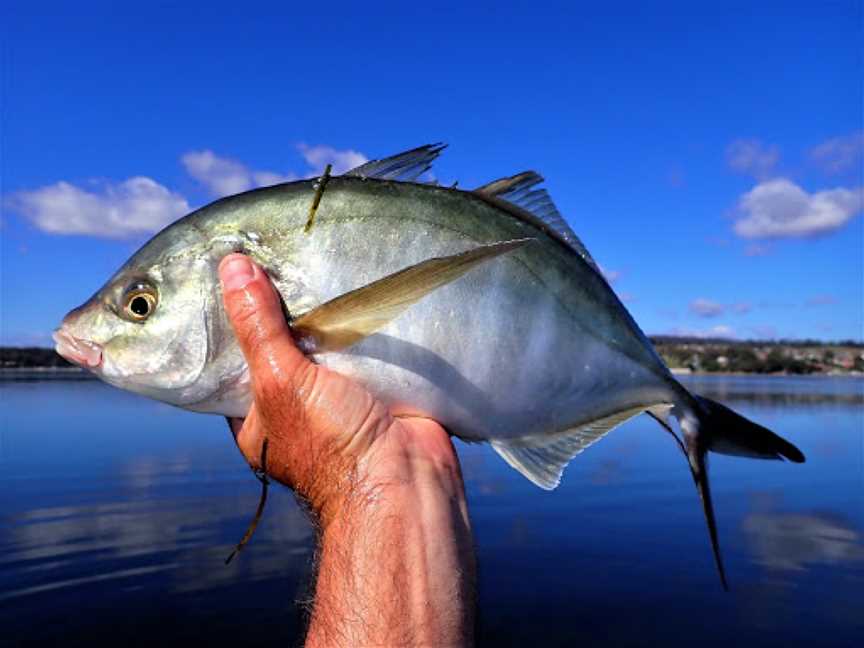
139, 302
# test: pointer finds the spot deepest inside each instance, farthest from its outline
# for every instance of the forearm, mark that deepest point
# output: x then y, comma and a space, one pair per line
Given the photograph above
396, 564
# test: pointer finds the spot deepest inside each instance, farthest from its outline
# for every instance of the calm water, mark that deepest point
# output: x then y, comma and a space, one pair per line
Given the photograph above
116, 514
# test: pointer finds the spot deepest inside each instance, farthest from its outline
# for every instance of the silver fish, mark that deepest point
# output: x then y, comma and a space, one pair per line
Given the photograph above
481, 309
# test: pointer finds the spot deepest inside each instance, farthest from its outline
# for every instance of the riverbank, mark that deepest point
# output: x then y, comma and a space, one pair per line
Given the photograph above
747, 357
682, 355
45, 373
684, 371
77, 373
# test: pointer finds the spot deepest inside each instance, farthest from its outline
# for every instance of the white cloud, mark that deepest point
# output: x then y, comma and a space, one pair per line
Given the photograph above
114, 210
706, 308
757, 250
268, 178
318, 157
741, 308
611, 275
825, 299
224, 176
780, 208
719, 331
752, 157
839, 154
141, 205
764, 331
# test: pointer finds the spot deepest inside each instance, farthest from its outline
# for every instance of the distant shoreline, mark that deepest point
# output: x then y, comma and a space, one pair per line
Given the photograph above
77, 373
46, 373
683, 371
684, 356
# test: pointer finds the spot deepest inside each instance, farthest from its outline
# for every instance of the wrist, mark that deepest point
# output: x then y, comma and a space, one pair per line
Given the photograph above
414, 462
396, 561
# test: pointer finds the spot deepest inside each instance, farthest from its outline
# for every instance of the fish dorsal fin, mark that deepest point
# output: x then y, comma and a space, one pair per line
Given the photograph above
407, 166
520, 190
519, 182
347, 319
543, 457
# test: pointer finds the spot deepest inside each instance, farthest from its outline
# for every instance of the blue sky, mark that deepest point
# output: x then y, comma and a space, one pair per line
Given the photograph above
708, 154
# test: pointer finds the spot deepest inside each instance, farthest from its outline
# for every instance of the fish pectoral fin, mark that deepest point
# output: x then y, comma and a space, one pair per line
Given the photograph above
344, 321
407, 166
542, 458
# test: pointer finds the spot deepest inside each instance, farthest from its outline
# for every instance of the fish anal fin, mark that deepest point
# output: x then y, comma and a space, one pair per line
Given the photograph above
661, 414
542, 458
347, 319
406, 166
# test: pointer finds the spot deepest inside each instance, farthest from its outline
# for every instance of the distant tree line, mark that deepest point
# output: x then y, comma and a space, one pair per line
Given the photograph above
30, 357
760, 357
700, 341
698, 354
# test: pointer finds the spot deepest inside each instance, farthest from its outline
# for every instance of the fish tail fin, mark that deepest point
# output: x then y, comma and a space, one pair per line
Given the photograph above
730, 433
710, 426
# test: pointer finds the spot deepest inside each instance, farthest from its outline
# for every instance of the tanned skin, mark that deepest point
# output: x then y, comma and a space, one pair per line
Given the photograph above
396, 561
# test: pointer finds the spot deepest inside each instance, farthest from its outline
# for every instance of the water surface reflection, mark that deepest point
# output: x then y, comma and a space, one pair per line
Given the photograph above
797, 541
116, 515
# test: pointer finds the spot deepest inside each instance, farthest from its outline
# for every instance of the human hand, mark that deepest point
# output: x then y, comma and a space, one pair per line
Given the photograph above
396, 561
328, 438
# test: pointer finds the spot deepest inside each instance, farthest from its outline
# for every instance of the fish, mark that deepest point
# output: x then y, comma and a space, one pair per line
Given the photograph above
481, 309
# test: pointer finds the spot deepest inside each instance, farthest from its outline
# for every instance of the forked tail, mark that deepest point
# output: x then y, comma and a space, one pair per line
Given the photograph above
710, 426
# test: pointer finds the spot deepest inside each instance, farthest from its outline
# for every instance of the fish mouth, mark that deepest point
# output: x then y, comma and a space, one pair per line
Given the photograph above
84, 353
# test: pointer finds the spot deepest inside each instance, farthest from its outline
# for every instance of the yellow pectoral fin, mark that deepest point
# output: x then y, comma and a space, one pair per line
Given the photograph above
341, 322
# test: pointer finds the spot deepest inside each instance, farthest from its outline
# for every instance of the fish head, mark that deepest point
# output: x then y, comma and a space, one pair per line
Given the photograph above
146, 330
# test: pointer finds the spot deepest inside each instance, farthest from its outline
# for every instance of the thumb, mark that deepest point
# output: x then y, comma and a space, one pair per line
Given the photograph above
255, 313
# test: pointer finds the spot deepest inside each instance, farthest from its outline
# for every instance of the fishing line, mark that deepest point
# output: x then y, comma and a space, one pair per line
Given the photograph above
316, 200
261, 475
